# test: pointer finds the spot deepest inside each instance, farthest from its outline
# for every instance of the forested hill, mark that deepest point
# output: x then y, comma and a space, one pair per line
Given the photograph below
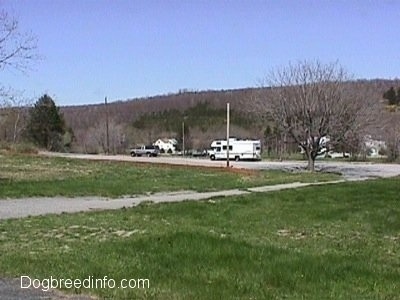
128, 111
145, 119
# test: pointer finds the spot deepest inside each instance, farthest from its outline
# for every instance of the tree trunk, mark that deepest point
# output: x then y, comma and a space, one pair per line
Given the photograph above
16, 128
311, 163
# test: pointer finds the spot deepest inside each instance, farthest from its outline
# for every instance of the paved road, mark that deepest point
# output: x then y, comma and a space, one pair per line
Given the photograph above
10, 289
350, 170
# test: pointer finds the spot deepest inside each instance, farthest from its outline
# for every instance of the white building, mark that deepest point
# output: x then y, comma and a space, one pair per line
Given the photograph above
166, 145
373, 147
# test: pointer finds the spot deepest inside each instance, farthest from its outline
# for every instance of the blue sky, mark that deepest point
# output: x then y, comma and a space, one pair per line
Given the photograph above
129, 48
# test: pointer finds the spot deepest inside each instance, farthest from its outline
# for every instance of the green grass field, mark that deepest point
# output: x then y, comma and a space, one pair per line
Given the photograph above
337, 241
28, 176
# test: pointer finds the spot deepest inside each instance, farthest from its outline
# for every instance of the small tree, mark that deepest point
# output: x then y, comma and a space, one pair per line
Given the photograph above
46, 124
14, 116
391, 96
391, 135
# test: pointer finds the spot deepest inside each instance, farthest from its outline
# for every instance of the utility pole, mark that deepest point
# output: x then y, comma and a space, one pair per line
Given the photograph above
183, 138
227, 135
107, 135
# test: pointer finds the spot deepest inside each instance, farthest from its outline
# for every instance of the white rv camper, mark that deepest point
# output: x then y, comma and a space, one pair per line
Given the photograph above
238, 149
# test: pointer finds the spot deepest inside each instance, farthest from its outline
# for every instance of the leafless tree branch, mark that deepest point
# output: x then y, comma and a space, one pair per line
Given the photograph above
17, 49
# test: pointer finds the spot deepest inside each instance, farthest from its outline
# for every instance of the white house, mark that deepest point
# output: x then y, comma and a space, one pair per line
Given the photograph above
373, 147
166, 145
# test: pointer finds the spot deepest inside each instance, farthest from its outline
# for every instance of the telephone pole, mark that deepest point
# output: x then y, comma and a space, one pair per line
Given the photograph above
107, 135
227, 135
183, 138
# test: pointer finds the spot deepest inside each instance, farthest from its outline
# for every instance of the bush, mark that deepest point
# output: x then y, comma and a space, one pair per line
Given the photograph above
20, 148
393, 152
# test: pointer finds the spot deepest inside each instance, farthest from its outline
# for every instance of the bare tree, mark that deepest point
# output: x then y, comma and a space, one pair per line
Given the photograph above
392, 136
358, 117
15, 113
17, 49
95, 140
309, 102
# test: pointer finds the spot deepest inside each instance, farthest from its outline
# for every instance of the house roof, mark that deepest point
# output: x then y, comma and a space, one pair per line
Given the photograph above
168, 141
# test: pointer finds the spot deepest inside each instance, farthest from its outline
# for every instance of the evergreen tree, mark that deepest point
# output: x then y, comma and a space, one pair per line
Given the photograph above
390, 95
398, 97
46, 124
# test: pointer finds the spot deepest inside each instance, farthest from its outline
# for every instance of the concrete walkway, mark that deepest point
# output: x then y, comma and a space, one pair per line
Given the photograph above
20, 208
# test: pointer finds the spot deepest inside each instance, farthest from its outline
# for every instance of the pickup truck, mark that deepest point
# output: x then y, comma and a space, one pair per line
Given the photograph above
145, 150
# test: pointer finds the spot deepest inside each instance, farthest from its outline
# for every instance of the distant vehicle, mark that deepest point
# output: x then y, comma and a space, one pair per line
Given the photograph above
332, 154
199, 153
147, 150
238, 149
